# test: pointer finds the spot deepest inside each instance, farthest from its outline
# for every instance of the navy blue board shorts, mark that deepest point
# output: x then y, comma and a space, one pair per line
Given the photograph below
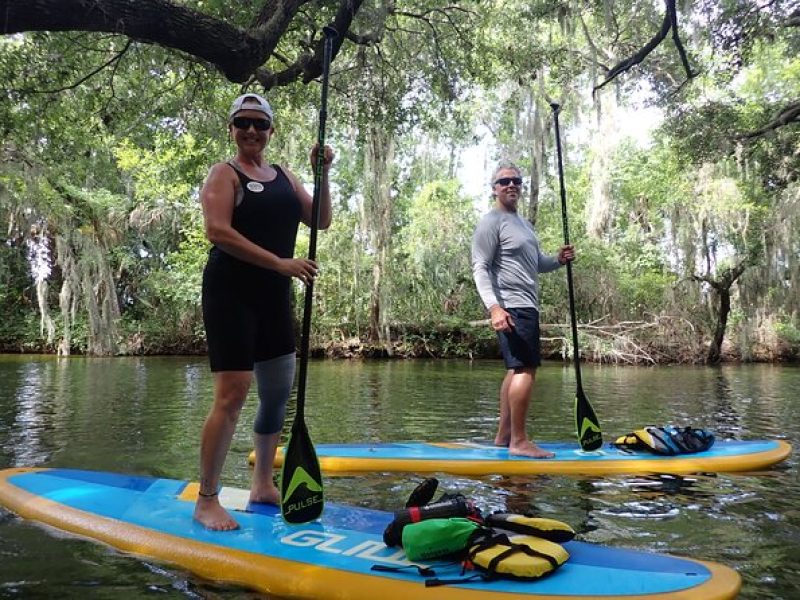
520, 346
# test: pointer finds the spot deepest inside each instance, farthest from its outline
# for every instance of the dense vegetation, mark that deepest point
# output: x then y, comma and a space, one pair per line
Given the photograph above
686, 236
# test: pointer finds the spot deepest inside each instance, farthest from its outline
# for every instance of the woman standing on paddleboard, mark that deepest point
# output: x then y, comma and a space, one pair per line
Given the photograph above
252, 210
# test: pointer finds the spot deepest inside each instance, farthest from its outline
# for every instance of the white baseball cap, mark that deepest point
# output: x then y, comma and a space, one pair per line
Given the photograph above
253, 102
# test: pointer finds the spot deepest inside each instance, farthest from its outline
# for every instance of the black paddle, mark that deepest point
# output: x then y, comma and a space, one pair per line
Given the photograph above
301, 478
586, 423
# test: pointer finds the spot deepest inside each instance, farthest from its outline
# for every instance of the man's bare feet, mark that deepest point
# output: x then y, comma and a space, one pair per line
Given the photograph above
530, 450
268, 494
502, 441
210, 514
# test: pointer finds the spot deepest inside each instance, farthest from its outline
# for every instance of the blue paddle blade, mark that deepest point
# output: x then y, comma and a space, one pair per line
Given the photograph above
589, 434
301, 479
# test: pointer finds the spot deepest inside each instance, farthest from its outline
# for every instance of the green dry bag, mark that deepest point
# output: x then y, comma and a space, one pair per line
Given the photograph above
435, 538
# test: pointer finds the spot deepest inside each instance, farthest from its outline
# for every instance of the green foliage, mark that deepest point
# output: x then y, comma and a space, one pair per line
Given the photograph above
788, 331
437, 271
644, 293
341, 292
109, 168
15, 297
178, 283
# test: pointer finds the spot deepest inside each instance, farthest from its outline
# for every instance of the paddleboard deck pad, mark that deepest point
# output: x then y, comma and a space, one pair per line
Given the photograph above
327, 558
467, 458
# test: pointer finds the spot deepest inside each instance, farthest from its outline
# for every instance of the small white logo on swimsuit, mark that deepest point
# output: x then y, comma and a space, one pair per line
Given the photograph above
255, 186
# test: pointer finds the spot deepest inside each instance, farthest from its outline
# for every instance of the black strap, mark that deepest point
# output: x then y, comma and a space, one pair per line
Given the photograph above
668, 448
678, 440
689, 439
422, 571
437, 582
525, 549
513, 548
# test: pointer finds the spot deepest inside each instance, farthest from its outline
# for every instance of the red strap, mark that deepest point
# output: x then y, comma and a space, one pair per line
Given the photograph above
414, 513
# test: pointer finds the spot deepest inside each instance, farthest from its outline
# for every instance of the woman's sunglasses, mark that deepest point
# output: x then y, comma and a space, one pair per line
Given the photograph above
508, 180
246, 122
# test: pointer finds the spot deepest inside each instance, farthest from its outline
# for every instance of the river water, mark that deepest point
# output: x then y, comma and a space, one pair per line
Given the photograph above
143, 416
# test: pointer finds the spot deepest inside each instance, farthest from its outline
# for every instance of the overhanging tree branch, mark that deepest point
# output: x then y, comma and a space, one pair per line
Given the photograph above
113, 60
232, 50
676, 39
793, 20
787, 115
670, 22
634, 60
309, 66
236, 52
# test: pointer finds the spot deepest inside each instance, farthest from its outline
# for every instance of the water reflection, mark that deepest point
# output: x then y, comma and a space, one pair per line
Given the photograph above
26, 433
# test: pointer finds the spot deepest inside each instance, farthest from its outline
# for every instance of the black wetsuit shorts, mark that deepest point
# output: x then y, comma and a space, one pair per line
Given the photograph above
247, 310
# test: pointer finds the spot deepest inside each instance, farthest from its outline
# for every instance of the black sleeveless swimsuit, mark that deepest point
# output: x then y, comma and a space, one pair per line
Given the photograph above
247, 310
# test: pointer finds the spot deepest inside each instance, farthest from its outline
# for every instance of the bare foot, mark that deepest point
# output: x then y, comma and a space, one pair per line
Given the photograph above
530, 450
212, 516
267, 494
502, 441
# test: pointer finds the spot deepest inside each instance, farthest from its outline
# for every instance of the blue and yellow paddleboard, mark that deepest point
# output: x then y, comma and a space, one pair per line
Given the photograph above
465, 458
328, 558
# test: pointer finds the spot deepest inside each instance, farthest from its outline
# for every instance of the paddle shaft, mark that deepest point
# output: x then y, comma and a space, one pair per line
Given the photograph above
301, 480
330, 34
587, 426
565, 224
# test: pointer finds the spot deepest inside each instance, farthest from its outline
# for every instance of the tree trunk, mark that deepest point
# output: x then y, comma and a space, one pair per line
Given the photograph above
375, 303
377, 220
722, 288
715, 349
67, 297
536, 135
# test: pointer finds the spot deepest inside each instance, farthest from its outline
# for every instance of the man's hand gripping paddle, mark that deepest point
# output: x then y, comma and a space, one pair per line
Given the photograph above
301, 478
588, 427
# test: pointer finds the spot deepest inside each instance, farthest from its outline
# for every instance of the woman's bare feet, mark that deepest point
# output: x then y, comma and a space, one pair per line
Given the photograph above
210, 514
530, 450
266, 494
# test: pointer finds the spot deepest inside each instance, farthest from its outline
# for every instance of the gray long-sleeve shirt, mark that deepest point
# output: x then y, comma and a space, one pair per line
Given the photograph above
506, 261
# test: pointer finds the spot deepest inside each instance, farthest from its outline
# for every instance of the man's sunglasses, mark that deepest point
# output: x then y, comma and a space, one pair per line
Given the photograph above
508, 180
246, 122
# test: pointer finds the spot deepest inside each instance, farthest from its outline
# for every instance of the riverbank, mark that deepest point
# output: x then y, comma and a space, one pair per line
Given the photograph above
628, 343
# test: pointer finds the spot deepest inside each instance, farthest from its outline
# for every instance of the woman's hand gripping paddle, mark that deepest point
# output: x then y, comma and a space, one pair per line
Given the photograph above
301, 478
587, 425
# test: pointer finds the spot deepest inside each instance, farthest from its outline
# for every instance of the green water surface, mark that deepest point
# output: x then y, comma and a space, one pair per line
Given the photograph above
143, 415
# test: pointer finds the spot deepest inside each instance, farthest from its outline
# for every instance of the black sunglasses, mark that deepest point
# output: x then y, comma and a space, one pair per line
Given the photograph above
508, 180
246, 122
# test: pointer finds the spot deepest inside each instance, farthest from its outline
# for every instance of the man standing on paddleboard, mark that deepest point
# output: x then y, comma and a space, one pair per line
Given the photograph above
506, 262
